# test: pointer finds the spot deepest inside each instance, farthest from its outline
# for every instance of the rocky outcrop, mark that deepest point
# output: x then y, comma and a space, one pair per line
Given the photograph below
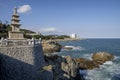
86, 64
50, 47
97, 59
63, 68
69, 67
47, 72
102, 57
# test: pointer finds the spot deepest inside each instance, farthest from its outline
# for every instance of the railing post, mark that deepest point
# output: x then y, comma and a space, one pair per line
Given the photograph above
33, 41
40, 40
6, 42
29, 42
2, 43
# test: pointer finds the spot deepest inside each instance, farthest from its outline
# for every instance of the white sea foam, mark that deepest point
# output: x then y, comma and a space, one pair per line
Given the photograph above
108, 63
74, 47
116, 57
78, 48
108, 71
102, 73
88, 56
55, 53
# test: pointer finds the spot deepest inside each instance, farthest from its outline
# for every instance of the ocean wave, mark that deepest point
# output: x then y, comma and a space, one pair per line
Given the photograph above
108, 71
67, 47
54, 53
116, 57
108, 63
88, 56
116, 77
78, 48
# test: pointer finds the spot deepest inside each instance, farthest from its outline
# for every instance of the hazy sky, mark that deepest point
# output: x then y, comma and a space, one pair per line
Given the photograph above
87, 18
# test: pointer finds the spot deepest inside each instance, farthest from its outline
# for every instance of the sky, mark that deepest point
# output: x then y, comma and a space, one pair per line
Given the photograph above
86, 18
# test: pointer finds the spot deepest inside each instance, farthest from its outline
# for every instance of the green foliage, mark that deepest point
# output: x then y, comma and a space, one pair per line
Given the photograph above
4, 28
27, 36
63, 37
47, 37
38, 36
26, 31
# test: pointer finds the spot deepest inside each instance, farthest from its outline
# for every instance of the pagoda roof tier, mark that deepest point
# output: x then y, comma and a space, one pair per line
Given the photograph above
15, 15
15, 19
17, 24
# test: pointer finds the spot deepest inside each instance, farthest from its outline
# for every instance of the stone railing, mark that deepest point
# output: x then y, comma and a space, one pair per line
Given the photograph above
25, 42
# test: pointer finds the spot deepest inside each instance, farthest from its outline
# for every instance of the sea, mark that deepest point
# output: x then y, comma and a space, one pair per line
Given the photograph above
85, 48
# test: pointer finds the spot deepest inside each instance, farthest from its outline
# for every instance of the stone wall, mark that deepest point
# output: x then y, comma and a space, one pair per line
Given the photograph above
21, 62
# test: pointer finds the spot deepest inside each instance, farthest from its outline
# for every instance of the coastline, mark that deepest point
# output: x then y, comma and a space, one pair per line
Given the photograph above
63, 40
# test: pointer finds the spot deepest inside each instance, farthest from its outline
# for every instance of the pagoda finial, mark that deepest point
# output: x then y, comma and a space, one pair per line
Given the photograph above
15, 10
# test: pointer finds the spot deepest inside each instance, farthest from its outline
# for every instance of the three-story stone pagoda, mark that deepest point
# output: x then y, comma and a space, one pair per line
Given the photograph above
15, 25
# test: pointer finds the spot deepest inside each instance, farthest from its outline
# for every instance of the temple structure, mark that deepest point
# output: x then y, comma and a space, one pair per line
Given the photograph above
15, 25
20, 58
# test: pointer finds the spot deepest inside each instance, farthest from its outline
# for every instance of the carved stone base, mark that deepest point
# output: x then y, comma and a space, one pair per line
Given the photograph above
15, 35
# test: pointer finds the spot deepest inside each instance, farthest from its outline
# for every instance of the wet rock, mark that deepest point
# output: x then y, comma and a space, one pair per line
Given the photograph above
86, 64
101, 57
71, 66
53, 59
63, 68
98, 59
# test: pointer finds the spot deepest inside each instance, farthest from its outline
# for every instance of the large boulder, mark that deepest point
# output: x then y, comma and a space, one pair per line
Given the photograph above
86, 64
50, 47
97, 59
101, 57
70, 66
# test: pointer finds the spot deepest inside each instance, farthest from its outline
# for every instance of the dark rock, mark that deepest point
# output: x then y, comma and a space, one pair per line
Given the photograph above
67, 68
63, 68
47, 72
72, 65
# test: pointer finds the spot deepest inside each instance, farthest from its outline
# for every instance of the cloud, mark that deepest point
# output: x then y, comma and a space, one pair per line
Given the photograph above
50, 29
24, 9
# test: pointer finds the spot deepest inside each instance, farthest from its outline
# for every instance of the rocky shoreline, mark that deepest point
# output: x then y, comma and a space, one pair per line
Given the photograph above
61, 40
67, 68
60, 68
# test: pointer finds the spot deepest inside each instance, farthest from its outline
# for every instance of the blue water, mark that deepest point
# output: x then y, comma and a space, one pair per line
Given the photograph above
86, 48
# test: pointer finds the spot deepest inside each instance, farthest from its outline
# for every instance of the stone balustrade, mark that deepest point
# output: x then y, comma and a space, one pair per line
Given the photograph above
25, 42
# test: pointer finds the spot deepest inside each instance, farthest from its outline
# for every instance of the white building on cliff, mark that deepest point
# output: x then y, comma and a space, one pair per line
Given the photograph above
73, 36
